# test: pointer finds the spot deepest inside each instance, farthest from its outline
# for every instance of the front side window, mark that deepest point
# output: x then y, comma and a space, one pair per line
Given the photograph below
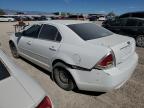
122, 22
48, 32
3, 71
89, 31
33, 31
131, 22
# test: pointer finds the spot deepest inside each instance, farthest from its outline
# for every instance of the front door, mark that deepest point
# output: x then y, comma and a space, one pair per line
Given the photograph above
25, 42
47, 45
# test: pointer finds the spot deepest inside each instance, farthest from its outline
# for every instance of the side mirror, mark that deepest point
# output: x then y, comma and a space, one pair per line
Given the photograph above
18, 34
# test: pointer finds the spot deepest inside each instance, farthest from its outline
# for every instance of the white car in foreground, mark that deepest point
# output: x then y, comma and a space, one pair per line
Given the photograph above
78, 53
6, 19
17, 90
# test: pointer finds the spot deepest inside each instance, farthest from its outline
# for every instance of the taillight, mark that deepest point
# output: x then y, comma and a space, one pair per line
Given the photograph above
46, 103
106, 62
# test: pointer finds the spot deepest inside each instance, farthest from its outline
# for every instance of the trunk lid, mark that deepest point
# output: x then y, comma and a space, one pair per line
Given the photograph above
13, 95
122, 46
30, 86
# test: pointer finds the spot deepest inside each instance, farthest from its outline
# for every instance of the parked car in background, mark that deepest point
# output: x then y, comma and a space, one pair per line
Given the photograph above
17, 18
48, 18
78, 53
24, 18
93, 18
17, 90
6, 19
43, 18
133, 27
101, 18
40, 18
75, 17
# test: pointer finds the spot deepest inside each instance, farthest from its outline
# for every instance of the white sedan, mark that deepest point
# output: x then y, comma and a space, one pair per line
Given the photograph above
6, 19
79, 54
17, 90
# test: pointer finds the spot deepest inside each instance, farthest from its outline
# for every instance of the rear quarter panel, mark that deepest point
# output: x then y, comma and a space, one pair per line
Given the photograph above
85, 55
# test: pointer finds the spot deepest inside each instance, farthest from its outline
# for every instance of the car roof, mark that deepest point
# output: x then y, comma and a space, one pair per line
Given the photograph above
133, 18
136, 12
63, 22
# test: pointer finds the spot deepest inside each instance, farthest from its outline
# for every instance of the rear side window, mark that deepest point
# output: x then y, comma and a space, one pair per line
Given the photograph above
48, 32
88, 31
58, 37
33, 31
3, 72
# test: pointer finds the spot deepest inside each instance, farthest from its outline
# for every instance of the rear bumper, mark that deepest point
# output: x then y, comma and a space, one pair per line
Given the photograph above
105, 80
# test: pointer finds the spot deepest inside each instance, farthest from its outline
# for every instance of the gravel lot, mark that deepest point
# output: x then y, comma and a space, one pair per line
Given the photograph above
131, 95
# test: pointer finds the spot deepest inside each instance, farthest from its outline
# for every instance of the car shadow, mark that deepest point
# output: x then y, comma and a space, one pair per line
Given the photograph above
90, 93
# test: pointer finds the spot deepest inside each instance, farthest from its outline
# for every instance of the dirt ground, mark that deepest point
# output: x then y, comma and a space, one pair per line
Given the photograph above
131, 95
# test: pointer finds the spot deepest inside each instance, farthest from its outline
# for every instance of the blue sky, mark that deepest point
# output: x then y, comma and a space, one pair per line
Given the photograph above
78, 6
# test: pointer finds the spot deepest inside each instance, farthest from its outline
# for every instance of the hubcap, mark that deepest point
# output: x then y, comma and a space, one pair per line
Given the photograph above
14, 51
63, 76
140, 41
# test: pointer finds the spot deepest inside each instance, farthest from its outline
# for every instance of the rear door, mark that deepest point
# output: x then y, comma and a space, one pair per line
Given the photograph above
25, 42
47, 45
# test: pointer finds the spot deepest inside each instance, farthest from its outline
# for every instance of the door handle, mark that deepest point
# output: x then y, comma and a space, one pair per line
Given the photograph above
52, 48
29, 42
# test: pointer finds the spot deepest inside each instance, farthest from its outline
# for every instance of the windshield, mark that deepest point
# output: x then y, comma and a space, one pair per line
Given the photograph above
3, 71
89, 31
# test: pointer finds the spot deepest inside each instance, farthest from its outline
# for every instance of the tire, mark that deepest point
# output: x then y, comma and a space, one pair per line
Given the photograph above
63, 78
140, 41
14, 50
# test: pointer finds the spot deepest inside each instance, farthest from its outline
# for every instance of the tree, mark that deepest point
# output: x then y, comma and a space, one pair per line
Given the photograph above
111, 15
2, 12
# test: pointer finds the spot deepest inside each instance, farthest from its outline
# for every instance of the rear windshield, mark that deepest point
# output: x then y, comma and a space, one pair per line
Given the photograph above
89, 31
3, 71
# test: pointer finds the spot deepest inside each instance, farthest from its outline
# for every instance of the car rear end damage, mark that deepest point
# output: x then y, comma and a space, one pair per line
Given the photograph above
105, 80
122, 59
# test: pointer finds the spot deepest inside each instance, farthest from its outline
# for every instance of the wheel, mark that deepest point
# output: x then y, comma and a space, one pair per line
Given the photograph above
140, 41
14, 50
63, 78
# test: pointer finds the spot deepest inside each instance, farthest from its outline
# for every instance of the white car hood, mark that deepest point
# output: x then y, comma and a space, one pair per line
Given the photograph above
13, 95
